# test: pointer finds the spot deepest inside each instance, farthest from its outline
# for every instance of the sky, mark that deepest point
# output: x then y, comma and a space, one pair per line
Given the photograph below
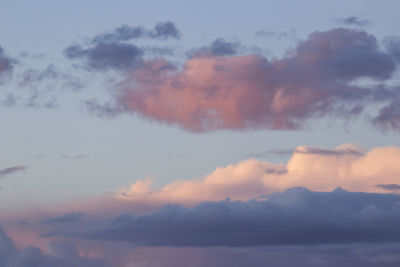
201, 133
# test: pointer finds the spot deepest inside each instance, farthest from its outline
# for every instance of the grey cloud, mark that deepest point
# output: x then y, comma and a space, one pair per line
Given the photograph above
66, 218
389, 187
306, 150
11, 170
30, 76
106, 56
388, 117
219, 47
162, 30
102, 110
354, 21
109, 51
64, 255
392, 45
295, 217
6, 63
328, 152
277, 34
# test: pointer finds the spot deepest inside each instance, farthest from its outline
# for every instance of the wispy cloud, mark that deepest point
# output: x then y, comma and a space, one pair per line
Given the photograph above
11, 170
66, 218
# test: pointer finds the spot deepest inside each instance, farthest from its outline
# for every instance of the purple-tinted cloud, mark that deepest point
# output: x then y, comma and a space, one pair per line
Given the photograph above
11, 170
354, 21
219, 47
6, 63
388, 117
296, 217
63, 255
112, 51
66, 218
162, 30
246, 92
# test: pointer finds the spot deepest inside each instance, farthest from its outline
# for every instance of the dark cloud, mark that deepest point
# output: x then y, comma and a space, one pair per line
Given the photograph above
11, 170
112, 51
162, 30
282, 256
219, 47
102, 110
354, 21
392, 44
246, 92
388, 117
328, 152
389, 187
66, 218
6, 63
295, 217
306, 150
107, 55
63, 255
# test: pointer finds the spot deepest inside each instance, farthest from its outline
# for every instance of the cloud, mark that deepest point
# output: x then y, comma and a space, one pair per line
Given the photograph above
392, 44
11, 170
6, 63
219, 47
278, 35
354, 21
346, 166
112, 51
162, 30
307, 150
295, 217
63, 255
251, 92
389, 187
106, 56
389, 116
66, 218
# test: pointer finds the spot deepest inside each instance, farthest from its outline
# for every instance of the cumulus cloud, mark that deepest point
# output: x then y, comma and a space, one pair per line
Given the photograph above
63, 255
346, 166
249, 91
11, 170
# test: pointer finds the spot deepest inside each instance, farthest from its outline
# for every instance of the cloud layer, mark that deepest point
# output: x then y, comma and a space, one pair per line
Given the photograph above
295, 217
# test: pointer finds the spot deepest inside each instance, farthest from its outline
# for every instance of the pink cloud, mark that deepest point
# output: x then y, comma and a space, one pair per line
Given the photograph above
250, 91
